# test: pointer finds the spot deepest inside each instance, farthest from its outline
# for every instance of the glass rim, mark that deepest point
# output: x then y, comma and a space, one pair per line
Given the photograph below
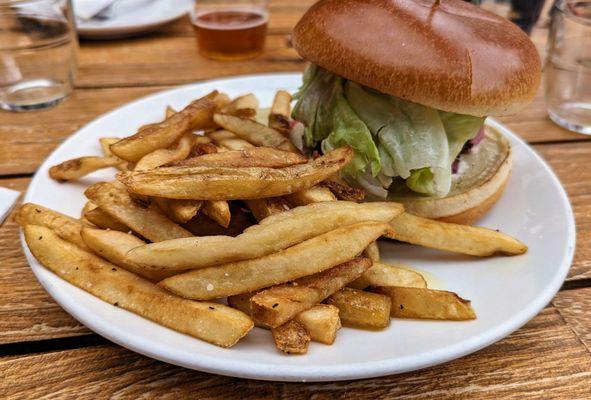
560, 6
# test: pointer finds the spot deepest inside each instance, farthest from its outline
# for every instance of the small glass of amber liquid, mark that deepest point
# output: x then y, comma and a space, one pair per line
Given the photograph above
230, 29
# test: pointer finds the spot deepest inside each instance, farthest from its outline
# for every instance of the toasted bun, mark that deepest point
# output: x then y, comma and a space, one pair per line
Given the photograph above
450, 55
475, 189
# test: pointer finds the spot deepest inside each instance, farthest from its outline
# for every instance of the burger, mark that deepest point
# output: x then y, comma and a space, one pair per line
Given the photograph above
408, 84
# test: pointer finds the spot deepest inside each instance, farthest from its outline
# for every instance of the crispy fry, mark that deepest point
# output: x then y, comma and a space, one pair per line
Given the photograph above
359, 309
64, 226
218, 183
315, 194
196, 115
106, 143
321, 321
113, 245
221, 100
202, 225
218, 211
103, 220
250, 157
168, 112
262, 208
78, 167
472, 240
229, 140
146, 221
291, 338
212, 322
279, 304
279, 117
306, 258
381, 274
248, 101
427, 304
273, 234
254, 132
372, 252
180, 211
179, 151
342, 191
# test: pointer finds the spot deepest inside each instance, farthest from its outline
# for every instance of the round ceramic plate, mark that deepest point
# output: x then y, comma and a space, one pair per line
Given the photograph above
146, 16
506, 292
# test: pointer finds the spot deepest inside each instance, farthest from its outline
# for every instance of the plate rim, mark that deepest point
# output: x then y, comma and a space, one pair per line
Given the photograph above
290, 373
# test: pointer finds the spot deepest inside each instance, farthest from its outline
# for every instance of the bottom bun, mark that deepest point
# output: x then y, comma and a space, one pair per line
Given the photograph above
479, 183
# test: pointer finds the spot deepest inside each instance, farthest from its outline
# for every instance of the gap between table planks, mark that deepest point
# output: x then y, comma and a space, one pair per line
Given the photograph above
544, 359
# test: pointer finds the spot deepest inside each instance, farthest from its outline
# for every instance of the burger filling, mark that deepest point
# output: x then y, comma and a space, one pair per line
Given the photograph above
397, 143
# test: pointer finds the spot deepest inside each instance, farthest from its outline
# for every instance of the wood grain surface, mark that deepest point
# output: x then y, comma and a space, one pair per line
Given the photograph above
45, 353
529, 364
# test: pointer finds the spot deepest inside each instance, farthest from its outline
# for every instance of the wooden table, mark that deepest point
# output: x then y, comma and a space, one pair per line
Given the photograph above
46, 353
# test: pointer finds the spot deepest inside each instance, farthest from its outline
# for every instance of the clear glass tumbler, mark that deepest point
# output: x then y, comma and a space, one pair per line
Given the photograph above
230, 29
38, 46
567, 73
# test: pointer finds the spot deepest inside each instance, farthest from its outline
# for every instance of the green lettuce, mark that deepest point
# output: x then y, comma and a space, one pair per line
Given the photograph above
330, 120
392, 138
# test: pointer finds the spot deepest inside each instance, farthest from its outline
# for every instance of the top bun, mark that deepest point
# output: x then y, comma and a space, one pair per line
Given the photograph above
451, 55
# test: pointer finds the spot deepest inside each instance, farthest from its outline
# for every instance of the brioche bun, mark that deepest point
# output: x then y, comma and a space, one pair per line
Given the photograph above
449, 55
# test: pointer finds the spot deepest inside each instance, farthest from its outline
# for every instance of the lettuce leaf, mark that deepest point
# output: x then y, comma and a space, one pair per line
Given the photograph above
329, 119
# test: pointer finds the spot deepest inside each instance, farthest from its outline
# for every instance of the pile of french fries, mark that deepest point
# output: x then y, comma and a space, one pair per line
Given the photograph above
216, 223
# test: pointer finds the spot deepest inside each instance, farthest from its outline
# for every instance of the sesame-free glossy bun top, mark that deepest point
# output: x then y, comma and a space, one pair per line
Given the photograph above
450, 55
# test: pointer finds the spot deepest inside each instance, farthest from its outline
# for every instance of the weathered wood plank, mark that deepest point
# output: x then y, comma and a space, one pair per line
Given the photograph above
528, 364
575, 308
161, 60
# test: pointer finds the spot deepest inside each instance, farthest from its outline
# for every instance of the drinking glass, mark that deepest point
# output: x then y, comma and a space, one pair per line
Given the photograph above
230, 29
38, 47
567, 73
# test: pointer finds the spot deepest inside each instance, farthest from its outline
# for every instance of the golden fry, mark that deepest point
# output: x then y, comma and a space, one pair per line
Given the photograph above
250, 157
291, 338
381, 274
279, 117
218, 211
78, 167
359, 309
212, 322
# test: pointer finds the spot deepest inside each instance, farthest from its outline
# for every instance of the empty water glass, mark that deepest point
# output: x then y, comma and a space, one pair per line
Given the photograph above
567, 73
38, 47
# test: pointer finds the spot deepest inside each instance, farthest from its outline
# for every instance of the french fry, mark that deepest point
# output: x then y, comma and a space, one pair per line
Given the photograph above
342, 191
202, 225
359, 309
279, 117
309, 257
146, 221
279, 304
168, 112
424, 303
221, 100
229, 140
464, 239
180, 211
381, 274
291, 338
103, 220
218, 183
321, 321
254, 132
262, 208
250, 157
315, 194
212, 322
106, 143
87, 207
196, 115
64, 226
218, 211
78, 167
372, 252
113, 245
159, 157
273, 234
247, 101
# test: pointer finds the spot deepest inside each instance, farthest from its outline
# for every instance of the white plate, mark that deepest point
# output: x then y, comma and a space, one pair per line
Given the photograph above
146, 17
506, 292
